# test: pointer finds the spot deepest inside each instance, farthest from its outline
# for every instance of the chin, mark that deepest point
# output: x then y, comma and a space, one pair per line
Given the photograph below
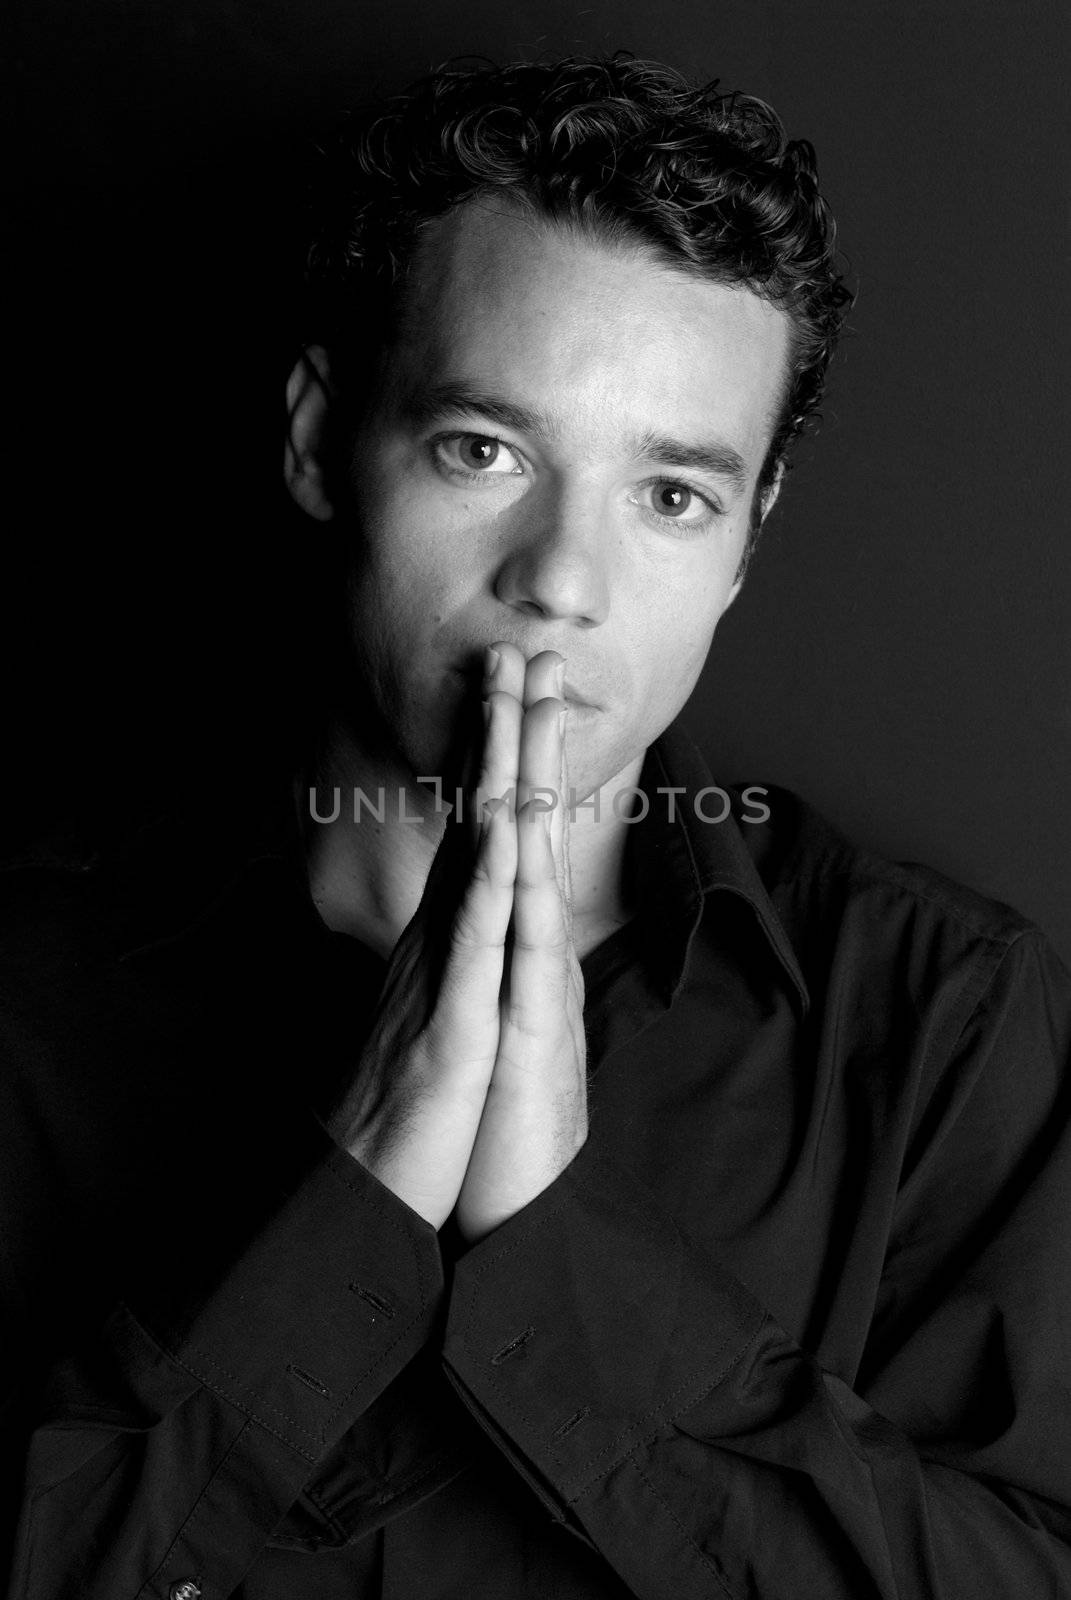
592, 771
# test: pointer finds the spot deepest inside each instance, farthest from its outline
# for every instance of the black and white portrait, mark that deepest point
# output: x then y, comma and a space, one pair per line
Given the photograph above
535, 1026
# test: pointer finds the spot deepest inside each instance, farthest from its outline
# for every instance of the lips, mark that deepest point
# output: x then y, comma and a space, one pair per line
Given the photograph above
578, 701
470, 669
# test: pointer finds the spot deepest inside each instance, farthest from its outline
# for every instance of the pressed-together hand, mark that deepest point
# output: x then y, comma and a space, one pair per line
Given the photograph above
471, 1089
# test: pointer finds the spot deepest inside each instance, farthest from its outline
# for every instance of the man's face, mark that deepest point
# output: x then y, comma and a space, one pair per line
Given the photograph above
564, 455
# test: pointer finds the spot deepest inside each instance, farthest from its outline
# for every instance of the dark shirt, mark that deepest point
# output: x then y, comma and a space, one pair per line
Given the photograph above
793, 1324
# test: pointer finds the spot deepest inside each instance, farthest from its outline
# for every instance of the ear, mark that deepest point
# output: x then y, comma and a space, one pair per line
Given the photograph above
309, 394
767, 502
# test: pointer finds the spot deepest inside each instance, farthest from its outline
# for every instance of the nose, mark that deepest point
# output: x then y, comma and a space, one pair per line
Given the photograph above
555, 567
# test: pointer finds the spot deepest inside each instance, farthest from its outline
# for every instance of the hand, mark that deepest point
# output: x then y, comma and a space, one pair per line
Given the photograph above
472, 1081
535, 1115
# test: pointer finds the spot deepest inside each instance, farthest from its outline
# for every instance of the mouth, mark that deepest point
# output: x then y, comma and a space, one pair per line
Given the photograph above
577, 703
470, 673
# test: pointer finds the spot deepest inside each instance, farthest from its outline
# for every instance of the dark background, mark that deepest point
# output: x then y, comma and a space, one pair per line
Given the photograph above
899, 654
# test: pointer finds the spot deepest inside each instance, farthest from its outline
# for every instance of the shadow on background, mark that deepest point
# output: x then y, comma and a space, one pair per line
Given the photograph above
899, 654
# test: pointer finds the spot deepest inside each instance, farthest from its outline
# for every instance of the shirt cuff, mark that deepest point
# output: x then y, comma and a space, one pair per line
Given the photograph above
586, 1322
330, 1299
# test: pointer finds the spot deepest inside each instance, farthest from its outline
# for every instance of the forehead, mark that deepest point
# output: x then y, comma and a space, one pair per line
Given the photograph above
601, 336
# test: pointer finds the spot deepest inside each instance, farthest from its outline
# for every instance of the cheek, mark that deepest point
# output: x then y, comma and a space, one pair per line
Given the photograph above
421, 543
674, 633
402, 561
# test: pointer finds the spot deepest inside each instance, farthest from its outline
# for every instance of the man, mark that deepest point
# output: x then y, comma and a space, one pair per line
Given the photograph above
682, 1216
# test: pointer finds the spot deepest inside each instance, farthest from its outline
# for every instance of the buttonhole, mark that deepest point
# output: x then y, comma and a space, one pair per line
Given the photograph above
512, 1348
308, 1380
373, 1299
570, 1422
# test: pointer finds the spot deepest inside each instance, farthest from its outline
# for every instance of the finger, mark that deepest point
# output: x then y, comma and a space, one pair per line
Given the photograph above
544, 676
503, 714
497, 749
447, 881
463, 1029
541, 945
539, 755
504, 668
559, 834
540, 949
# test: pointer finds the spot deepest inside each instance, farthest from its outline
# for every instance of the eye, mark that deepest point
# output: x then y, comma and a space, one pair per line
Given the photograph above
672, 501
476, 455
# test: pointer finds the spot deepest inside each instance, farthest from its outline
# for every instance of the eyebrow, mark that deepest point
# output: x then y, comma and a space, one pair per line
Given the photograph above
720, 460
425, 406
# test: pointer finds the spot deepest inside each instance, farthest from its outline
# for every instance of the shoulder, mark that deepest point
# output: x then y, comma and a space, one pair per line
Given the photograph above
858, 924
917, 982
88, 896
808, 864
67, 903
77, 899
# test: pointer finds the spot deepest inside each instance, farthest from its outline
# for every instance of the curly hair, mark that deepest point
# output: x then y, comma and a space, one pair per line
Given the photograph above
621, 149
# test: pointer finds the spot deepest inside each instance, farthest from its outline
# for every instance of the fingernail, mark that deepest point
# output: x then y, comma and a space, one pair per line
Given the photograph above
559, 676
486, 707
491, 659
563, 718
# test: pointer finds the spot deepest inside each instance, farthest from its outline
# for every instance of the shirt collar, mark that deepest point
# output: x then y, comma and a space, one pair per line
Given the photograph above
688, 857
176, 873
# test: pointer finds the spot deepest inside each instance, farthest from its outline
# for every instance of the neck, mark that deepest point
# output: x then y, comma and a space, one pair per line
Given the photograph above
367, 876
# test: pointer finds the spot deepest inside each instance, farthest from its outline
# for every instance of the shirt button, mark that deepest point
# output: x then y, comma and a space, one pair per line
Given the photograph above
186, 1590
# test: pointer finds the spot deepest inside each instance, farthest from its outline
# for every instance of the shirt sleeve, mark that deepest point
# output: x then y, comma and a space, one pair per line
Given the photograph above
658, 1408
166, 1454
